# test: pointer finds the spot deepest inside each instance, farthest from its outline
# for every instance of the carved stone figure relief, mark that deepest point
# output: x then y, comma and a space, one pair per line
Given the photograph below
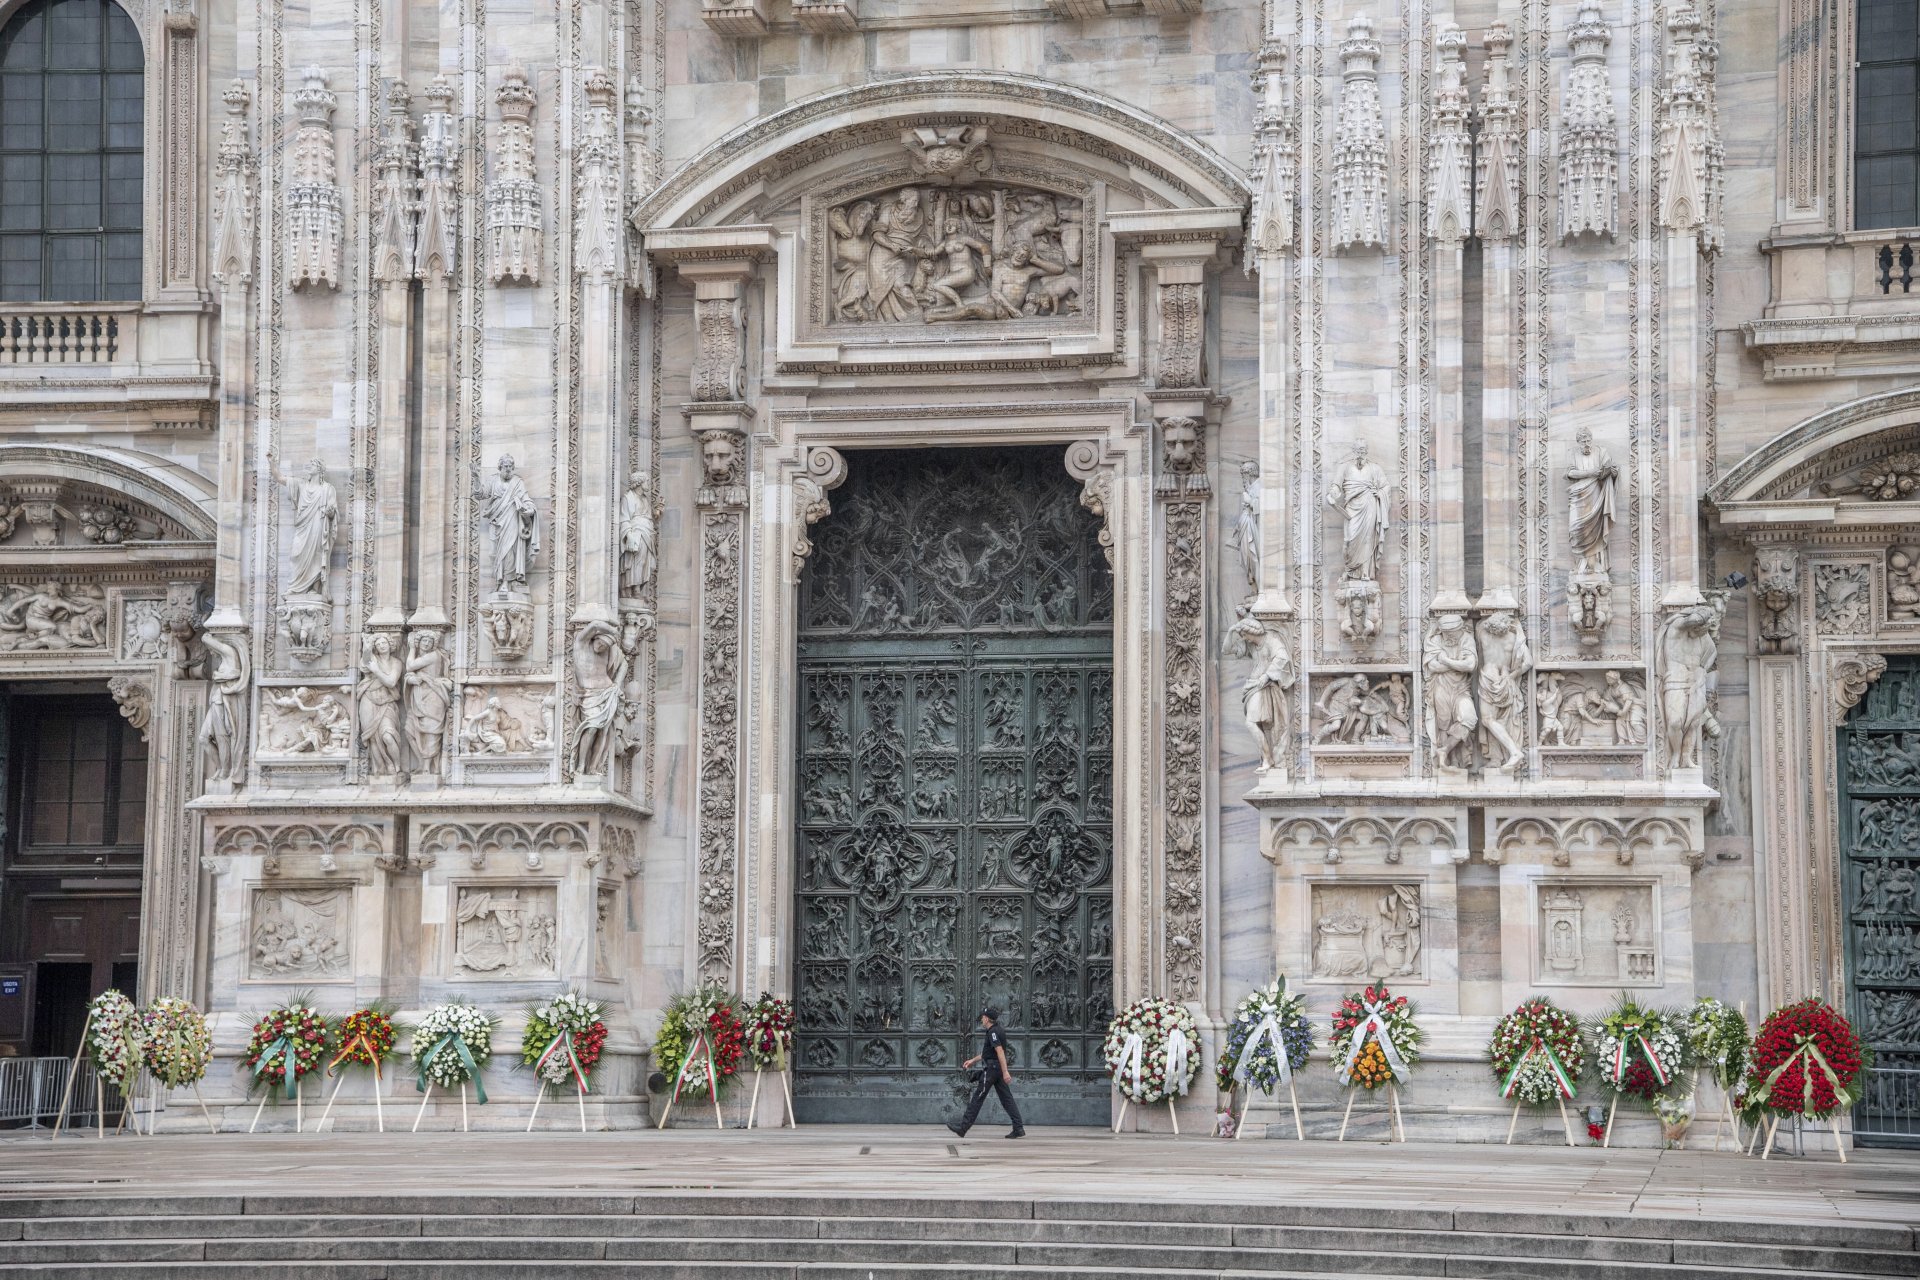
1853, 674
1449, 659
1891, 479
1842, 599
378, 693
1361, 216
1501, 153
307, 612
510, 719
301, 934
222, 735
927, 255
1776, 590
605, 902
1684, 661
1267, 694
1367, 931
639, 538
52, 615
1183, 457
504, 931
303, 721
1589, 150
314, 220
514, 525
513, 197
1360, 492
1358, 710
1903, 584
1246, 527
1592, 480
428, 699
134, 696
1505, 661
1592, 934
600, 674
509, 626
1587, 709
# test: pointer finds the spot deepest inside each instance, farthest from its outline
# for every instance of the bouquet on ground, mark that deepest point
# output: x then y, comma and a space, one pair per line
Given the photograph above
1718, 1042
563, 1040
1808, 1062
116, 1040
367, 1038
451, 1047
1153, 1050
1640, 1050
1375, 1040
1269, 1039
178, 1041
1537, 1054
770, 1032
701, 1041
287, 1045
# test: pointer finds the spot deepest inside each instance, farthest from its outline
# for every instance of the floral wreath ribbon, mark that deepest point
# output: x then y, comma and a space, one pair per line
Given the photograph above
459, 1045
699, 1046
1562, 1081
563, 1043
1375, 1028
1634, 1036
1267, 1030
359, 1042
1131, 1051
1179, 1050
282, 1047
1804, 1048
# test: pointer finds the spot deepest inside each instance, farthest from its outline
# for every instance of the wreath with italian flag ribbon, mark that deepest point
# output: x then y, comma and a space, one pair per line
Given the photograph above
286, 1046
1808, 1062
1538, 1054
563, 1040
1641, 1050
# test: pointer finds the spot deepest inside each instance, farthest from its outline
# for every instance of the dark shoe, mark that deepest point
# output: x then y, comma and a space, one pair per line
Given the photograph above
958, 1132
1018, 1133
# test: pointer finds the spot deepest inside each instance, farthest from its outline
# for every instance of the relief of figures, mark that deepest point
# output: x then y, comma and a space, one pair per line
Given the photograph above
1366, 931
1452, 718
504, 933
53, 615
303, 721
931, 255
1572, 706
299, 933
1358, 710
1684, 660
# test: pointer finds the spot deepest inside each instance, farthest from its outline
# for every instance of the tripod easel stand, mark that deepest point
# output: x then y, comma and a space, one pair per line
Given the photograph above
1394, 1124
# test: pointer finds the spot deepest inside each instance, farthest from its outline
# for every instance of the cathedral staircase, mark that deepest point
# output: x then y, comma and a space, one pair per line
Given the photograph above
753, 1237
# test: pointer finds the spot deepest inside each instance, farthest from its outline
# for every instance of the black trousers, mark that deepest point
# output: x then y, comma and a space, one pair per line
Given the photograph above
991, 1082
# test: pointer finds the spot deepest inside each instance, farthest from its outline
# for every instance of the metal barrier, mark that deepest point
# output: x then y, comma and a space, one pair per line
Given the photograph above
1889, 1114
30, 1090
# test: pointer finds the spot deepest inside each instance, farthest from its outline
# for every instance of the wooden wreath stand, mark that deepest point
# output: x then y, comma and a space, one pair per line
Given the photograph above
1723, 1114
299, 1100
1240, 1125
73, 1073
1565, 1122
754, 1106
428, 1097
1126, 1102
701, 1045
1773, 1128
1394, 1123
379, 1113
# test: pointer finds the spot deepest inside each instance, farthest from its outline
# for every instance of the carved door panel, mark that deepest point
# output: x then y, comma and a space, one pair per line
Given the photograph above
955, 806
1880, 873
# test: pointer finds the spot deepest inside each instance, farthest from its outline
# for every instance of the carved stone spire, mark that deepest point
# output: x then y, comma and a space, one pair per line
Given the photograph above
640, 176
395, 190
1275, 155
313, 199
233, 192
439, 195
596, 235
1689, 158
1360, 148
1589, 151
1498, 161
513, 199
1450, 151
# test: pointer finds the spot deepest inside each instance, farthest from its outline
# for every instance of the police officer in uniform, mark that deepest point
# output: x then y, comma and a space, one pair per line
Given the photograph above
994, 1076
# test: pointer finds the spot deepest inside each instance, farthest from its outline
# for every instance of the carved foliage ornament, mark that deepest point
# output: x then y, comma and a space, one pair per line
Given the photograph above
719, 743
1183, 737
1776, 590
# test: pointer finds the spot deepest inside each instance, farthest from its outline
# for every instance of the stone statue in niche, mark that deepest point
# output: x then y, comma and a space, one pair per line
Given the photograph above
316, 514
429, 698
639, 537
1591, 481
933, 255
53, 615
600, 670
1360, 493
378, 694
1449, 660
222, 727
504, 933
510, 513
1505, 661
306, 722
300, 933
1246, 527
1684, 658
1355, 710
1267, 694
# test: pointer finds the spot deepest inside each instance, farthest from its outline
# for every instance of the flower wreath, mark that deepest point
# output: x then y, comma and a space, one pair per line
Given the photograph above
1640, 1050
178, 1041
770, 1032
116, 1040
563, 1040
704, 1012
1537, 1053
451, 1047
287, 1045
1718, 1039
1153, 1050
1269, 1039
367, 1037
1375, 1040
1808, 1062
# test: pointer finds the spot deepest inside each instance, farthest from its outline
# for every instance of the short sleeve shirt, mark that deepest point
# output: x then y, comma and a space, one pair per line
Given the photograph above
991, 1040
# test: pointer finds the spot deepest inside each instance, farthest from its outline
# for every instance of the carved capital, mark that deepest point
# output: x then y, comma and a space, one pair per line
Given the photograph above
825, 471
1852, 674
1087, 463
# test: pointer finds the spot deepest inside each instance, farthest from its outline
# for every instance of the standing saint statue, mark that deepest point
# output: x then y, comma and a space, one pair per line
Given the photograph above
508, 508
639, 537
1505, 661
1246, 526
378, 694
1590, 485
1449, 660
221, 734
1361, 492
1267, 693
600, 669
316, 510
1684, 659
429, 697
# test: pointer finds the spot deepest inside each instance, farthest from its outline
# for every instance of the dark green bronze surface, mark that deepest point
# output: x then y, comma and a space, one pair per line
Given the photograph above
955, 760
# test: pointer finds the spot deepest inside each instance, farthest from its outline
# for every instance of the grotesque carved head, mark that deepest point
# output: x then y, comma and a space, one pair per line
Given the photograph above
1180, 443
718, 452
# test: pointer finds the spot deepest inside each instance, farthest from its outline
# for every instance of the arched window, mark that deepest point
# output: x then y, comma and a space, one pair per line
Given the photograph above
70, 138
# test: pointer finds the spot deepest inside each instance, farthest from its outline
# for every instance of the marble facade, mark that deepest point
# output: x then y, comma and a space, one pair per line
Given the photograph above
576, 308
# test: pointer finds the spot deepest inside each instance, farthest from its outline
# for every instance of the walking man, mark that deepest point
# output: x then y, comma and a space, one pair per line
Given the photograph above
994, 1076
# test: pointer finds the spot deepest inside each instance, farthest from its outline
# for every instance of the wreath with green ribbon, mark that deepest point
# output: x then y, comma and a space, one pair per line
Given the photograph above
1808, 1062
179, 1045
451, 1047
1538, 1054
286, 1046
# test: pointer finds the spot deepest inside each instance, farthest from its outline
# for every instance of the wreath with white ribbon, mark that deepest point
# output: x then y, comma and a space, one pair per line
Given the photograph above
1374, 1017
1269, 1039
1153, 1050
